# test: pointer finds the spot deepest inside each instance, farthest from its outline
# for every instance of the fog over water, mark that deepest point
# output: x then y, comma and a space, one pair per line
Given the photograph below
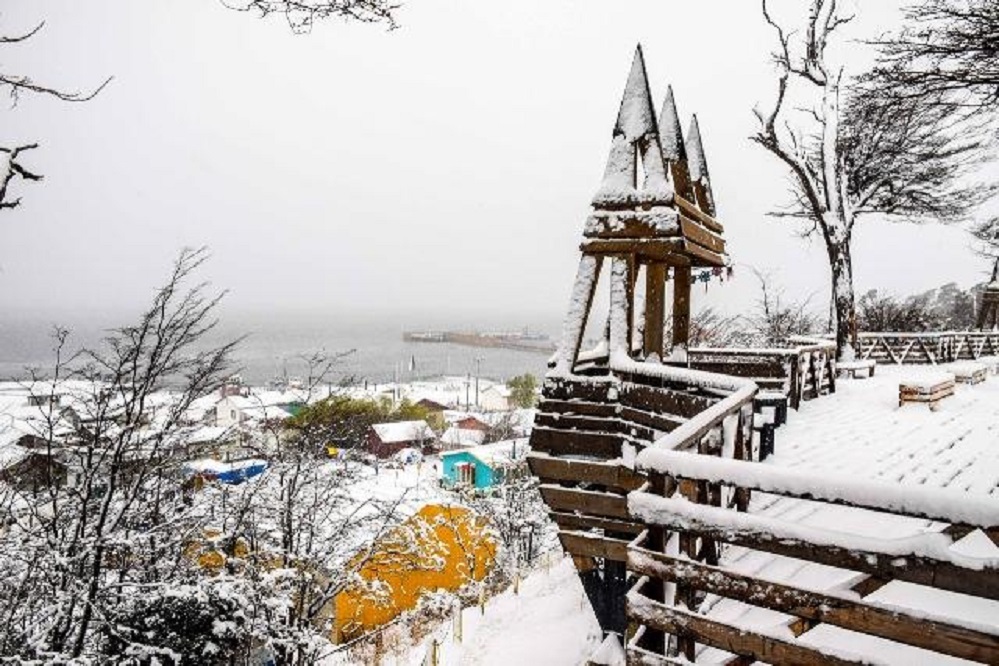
275, 343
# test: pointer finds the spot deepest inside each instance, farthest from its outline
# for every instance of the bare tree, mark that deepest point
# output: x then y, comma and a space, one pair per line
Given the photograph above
16, 85
79, 549
860, 154
945, 54
303, 14
776, 319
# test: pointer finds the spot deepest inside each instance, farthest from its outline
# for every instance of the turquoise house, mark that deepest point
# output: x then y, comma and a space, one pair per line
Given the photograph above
485, 466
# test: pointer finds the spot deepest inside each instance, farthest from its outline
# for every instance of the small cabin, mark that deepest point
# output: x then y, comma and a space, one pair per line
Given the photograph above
387, 439
484, 467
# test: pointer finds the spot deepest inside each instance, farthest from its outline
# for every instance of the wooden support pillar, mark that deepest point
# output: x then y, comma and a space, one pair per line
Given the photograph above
655, 308
681, 308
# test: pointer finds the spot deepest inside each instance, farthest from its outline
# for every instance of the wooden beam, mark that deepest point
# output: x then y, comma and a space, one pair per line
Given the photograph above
817, 607
908, 568
588, 545
693, 231
689, 209
681, 306
573, 522
576, 442
655, 306
590, 502
609, 475
723, 636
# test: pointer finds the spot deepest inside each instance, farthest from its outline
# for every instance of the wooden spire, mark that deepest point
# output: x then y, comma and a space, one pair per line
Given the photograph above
635, 141
699, 168
674, 150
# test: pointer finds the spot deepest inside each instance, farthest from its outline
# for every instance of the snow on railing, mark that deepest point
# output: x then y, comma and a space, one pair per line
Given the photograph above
936, 504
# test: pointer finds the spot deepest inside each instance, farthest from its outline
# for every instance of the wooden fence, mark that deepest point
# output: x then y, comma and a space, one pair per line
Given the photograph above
804, 370
669, 627
928, 348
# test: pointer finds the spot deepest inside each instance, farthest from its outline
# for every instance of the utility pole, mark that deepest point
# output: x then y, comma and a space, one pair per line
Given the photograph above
478, 370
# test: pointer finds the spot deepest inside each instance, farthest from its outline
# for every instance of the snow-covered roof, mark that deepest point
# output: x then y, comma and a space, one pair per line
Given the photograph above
404, 431
497, 454
455, 436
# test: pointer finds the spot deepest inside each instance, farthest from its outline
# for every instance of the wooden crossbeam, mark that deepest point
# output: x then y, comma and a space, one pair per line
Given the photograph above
723, 636
818, 607
909, 568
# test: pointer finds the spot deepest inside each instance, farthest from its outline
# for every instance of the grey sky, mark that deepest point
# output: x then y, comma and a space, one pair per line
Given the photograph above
447, 165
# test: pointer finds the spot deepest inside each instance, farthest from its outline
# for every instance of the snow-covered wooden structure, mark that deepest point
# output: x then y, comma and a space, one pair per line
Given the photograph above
653, 223
649, 468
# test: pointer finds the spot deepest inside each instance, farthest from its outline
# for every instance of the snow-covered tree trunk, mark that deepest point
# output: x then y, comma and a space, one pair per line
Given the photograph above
842, 298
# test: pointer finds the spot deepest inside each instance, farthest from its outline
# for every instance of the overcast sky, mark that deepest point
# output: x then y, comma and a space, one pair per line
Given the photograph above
446, 166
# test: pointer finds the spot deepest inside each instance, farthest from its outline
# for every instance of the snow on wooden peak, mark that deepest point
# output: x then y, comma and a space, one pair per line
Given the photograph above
636, 169
636, 118
695, 153
671, 136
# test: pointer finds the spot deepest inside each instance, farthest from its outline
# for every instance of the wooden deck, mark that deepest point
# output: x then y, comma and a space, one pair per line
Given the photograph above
874, 543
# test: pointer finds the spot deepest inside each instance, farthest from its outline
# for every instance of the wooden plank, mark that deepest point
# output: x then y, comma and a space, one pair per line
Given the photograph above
572, 522
575, 442
726, 637
598, 409
662, 400
693, 231
564, 389
588, 545
655, 308
706, 256
894, 625
576, 422
667, 250
688, 208
610, 475
662, 422
590, 502
910, 568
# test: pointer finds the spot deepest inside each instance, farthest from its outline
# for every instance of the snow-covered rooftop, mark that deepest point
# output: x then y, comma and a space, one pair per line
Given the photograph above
403, 431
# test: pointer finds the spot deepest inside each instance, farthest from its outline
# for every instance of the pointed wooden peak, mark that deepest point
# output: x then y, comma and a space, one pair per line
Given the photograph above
695, 153
636, 117
671, 136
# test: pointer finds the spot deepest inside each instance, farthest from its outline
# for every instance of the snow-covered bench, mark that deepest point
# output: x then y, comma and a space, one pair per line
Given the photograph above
855, 369
969, 372
929, 388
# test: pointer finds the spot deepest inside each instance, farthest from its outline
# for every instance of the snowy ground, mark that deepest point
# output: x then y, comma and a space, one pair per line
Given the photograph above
861, 432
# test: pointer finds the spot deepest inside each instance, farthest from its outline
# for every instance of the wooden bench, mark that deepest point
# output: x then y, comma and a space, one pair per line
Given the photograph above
856, 369
969, 373
930, 389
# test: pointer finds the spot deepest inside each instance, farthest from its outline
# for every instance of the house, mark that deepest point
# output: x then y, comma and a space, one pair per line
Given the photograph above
387, 439
485, 466
441, 547
431, 406
496, 398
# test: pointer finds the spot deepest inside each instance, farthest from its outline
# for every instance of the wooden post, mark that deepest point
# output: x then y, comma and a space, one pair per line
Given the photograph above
655, 305
681, 308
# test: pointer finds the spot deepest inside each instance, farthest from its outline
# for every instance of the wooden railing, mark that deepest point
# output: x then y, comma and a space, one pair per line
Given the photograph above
587, 434
677, 563
928, 348
803, 370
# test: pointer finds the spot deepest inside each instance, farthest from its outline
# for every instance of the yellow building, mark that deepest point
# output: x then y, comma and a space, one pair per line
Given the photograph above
441, 547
